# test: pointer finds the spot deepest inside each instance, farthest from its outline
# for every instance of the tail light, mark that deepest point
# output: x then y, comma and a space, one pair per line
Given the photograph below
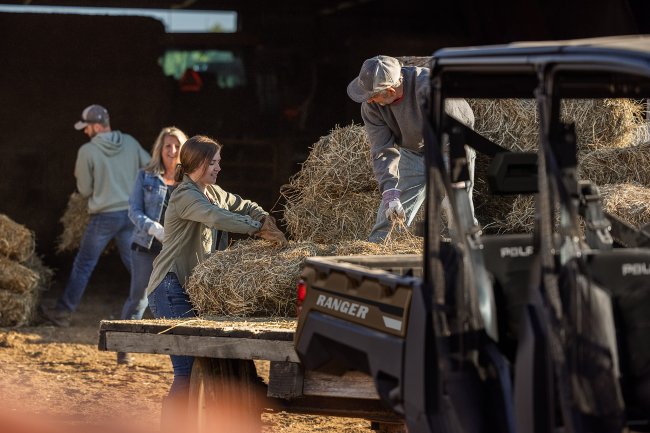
301, 293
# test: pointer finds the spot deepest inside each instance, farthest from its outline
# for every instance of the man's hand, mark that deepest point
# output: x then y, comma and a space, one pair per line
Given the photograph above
271, 232
393, 206
157, 231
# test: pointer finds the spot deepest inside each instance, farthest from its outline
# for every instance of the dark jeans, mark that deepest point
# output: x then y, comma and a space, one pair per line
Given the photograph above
169, 300
101, 228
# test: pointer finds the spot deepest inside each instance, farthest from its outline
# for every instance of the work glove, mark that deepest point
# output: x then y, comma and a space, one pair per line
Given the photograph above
157, 231
394, 209
271, 232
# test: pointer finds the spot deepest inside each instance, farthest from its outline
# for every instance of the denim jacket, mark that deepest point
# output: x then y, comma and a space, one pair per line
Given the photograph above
145, 205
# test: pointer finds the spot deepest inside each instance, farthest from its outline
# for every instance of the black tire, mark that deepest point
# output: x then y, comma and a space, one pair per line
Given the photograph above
225, 396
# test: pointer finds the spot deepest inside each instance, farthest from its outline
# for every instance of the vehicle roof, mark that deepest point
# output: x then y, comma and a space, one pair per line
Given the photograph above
616, 66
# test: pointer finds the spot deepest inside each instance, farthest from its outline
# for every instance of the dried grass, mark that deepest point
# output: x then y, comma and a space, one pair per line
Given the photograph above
253, 278
628, 201
17, 310
334, 197
617, 165
75, 219
17, 278
600, 123
17, 242
21, 286
605, 129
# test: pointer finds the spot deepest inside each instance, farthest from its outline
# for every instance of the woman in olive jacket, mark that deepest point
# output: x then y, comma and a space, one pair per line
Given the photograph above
199, 216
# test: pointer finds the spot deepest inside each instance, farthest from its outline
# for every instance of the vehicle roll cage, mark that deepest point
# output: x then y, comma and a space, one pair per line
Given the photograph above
547, 72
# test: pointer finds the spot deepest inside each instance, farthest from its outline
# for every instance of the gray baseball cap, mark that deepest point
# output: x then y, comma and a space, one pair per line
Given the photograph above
377, 74
92, 114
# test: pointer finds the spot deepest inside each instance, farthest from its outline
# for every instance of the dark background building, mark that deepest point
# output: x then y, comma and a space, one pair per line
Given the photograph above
278, 85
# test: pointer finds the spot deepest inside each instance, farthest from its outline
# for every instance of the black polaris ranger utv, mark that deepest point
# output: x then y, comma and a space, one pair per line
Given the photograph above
541, 332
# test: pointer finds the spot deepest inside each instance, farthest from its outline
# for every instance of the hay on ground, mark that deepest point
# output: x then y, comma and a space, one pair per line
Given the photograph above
334, 197
16, 277
617, 165
16, 241
252, 278
74, 220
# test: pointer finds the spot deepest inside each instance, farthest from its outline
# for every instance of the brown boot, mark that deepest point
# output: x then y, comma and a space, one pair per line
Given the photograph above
56, 317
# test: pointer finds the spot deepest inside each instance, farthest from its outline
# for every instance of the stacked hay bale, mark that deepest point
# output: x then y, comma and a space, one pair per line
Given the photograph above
330, 207
334, 197
22, 276
608, 132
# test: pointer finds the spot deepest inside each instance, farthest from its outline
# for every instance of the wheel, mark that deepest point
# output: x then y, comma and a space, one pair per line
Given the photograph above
225, 396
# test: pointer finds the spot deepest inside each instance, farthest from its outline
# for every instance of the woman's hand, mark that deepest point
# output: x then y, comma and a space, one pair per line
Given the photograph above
272, 233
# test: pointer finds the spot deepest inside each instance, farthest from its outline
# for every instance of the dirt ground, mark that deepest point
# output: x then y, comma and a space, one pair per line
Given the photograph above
56, 377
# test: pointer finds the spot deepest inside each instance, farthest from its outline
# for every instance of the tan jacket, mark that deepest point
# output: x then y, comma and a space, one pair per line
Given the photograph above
191, 224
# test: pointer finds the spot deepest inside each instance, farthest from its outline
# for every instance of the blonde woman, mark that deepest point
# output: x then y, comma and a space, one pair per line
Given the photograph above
147, 205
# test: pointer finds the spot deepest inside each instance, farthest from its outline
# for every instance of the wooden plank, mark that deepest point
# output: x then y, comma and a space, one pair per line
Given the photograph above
268, 329
211, 347
285, 380
352, 384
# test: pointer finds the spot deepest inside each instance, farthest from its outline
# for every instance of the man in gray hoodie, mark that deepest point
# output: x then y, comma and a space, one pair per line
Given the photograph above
106, 170
393, 98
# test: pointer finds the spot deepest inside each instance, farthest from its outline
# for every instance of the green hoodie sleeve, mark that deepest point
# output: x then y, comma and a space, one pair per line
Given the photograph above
192, 205
83, 172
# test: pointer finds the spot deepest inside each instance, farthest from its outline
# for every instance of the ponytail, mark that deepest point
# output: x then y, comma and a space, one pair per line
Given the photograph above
179, 173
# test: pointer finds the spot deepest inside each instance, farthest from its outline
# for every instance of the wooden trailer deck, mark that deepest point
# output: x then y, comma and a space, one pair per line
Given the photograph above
287, 386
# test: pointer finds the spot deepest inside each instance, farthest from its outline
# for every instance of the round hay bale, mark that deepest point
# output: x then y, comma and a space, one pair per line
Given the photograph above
17, 242
252, 278
17, 278
16, 309
617, 165
74, 220
628, 201
334, 196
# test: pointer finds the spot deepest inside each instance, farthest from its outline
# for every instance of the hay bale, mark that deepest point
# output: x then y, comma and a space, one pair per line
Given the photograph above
600, 123
604, 128
17, 242
16, 309
17, 278
75, 219
617, 165
334, 196
21, 286
628, 201
252, 278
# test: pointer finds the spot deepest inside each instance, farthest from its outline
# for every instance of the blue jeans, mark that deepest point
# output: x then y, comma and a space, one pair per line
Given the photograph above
169, 300
136, 303
102, 227
412, 184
